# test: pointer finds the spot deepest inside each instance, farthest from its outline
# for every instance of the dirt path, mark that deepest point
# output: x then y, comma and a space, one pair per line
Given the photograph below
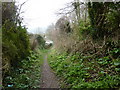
48, 79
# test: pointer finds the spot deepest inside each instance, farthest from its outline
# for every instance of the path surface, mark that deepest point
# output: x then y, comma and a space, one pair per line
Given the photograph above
48, 79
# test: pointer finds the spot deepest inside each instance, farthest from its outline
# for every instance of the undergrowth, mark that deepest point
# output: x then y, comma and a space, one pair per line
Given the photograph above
27, 75
80, 71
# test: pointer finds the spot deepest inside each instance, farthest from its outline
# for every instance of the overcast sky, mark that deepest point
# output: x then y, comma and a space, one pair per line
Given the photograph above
41, 13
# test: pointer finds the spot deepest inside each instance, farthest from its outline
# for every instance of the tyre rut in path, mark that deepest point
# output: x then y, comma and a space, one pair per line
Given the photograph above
48, 79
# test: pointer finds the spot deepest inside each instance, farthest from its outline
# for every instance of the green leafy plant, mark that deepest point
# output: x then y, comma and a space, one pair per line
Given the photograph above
78, 73
27, 75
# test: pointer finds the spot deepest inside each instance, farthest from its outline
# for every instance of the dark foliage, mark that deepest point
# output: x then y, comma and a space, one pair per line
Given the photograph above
104, 18
41, 41
15, 41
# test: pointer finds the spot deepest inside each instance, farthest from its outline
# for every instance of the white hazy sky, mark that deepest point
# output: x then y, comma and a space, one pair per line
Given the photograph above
41, 13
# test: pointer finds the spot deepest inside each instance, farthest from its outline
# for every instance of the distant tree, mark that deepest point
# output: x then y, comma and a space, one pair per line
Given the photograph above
63, 25
40, 41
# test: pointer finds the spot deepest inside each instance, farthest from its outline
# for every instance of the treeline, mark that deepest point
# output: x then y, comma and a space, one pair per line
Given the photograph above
15, 41
18, 58
87, 37
93, 20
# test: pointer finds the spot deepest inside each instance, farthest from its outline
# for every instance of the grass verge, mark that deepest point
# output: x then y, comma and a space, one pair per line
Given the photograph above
79, 71
28, 74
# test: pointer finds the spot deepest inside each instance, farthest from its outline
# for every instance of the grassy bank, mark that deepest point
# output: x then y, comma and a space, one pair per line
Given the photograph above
28, 74
79, 71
